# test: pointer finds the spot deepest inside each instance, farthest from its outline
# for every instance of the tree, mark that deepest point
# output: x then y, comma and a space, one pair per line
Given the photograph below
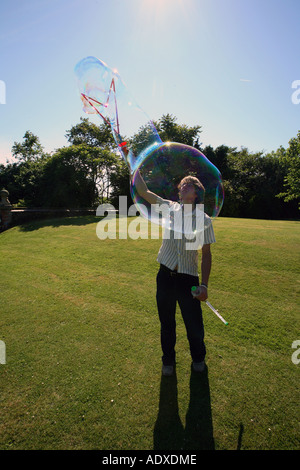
219, 158
8, 175
22, 177
168, 130
88, 133
28, 180
88, 171
29, 150
75, 176
120, 183
67, 180
291, 160
251, 183
99, 144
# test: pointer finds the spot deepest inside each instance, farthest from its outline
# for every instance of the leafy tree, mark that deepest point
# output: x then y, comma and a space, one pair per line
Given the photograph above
22, 177
252, 181
75, 175
88, 171
291, 160
168, 130
99, 144
29, 150
219, 157
120, 183
8, 174
88, 133
29, 181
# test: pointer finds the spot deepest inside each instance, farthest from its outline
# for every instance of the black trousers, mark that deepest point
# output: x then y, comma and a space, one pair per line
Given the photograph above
172, 288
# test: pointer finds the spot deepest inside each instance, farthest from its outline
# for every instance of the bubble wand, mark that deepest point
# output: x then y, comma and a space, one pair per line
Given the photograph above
195, 292
103, 92
216, 312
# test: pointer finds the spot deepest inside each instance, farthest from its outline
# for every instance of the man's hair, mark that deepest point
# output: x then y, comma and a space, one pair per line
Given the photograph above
193, 181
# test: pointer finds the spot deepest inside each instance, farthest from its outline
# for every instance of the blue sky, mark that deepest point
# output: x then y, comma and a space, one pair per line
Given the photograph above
226, 65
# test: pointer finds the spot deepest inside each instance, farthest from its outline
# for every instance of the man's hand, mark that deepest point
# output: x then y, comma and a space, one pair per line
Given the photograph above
203, 294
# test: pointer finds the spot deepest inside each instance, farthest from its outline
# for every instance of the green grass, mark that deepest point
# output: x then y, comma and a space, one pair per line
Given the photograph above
83, 367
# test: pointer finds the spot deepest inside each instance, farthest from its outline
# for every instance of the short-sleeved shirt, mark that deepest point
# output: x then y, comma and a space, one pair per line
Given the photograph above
178, 249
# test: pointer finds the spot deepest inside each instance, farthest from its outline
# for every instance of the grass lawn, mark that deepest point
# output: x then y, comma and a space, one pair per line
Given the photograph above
82, 335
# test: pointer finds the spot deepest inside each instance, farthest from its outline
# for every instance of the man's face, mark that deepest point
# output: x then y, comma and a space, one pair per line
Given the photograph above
188, 194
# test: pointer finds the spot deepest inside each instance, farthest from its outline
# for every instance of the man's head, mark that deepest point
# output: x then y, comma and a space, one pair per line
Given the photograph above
191, 190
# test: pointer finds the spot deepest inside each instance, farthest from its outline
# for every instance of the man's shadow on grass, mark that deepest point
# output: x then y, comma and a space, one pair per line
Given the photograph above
169, 432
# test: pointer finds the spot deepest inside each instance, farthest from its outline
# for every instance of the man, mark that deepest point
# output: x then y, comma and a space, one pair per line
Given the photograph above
178, 273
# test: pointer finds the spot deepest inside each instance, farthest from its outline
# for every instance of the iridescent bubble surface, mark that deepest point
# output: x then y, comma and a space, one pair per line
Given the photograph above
163, 167
104, 93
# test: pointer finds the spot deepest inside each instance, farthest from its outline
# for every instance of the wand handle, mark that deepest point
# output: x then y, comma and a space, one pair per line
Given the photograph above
196, 291
216, 312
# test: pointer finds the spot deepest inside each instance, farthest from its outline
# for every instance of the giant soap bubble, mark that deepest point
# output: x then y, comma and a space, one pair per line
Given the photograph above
164, 166
161, 165
104, 93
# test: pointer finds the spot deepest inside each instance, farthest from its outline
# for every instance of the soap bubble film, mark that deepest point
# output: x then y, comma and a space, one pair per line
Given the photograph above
104, 93
164, 166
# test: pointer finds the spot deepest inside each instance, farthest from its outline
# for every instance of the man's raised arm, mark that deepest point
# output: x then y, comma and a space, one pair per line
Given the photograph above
142, 189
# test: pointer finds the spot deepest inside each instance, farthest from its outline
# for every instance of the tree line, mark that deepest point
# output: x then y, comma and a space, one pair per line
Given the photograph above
88, 171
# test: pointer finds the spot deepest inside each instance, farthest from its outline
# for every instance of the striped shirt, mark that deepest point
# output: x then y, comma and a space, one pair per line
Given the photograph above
178, 249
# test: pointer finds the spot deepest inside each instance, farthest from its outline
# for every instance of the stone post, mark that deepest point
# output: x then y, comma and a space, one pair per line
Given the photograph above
5, 210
